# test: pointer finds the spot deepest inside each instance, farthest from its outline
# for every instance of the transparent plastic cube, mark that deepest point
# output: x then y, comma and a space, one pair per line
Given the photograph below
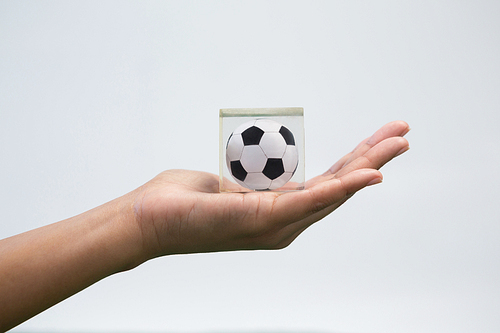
261, 149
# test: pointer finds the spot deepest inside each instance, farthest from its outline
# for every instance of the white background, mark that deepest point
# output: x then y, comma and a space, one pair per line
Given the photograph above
96, 98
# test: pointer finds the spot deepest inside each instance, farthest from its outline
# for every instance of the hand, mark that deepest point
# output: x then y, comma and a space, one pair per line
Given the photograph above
183, 212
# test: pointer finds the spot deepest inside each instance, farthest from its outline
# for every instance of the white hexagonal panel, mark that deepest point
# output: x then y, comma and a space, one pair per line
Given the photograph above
257, 181
273, 145
253, 159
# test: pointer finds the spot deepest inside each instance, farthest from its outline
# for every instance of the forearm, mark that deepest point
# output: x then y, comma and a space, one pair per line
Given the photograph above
42, 267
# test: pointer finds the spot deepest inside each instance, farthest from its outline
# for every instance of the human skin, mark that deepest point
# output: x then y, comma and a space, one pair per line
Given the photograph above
177, 212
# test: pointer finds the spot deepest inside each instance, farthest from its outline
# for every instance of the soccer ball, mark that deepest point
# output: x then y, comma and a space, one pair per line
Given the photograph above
261, 155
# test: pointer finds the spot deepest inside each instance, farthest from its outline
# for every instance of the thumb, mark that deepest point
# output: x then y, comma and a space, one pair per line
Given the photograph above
325, 196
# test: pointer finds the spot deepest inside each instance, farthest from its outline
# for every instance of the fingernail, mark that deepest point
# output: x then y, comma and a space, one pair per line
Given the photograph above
404, 150
374, 181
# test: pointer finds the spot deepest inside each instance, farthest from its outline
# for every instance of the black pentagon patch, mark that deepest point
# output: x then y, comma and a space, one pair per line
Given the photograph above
238, 171
252, 136
274, 168
287, 135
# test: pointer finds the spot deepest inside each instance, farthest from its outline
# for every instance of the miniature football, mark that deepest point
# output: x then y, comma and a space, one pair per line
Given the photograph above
261, 155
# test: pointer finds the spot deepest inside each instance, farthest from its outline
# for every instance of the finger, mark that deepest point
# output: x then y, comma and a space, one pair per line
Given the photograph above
377, 156
395, 128
392, 129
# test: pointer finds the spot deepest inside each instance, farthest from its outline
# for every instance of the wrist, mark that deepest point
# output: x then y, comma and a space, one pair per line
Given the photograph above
124, 234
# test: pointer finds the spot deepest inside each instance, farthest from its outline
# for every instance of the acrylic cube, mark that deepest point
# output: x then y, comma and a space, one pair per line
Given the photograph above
261, 149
